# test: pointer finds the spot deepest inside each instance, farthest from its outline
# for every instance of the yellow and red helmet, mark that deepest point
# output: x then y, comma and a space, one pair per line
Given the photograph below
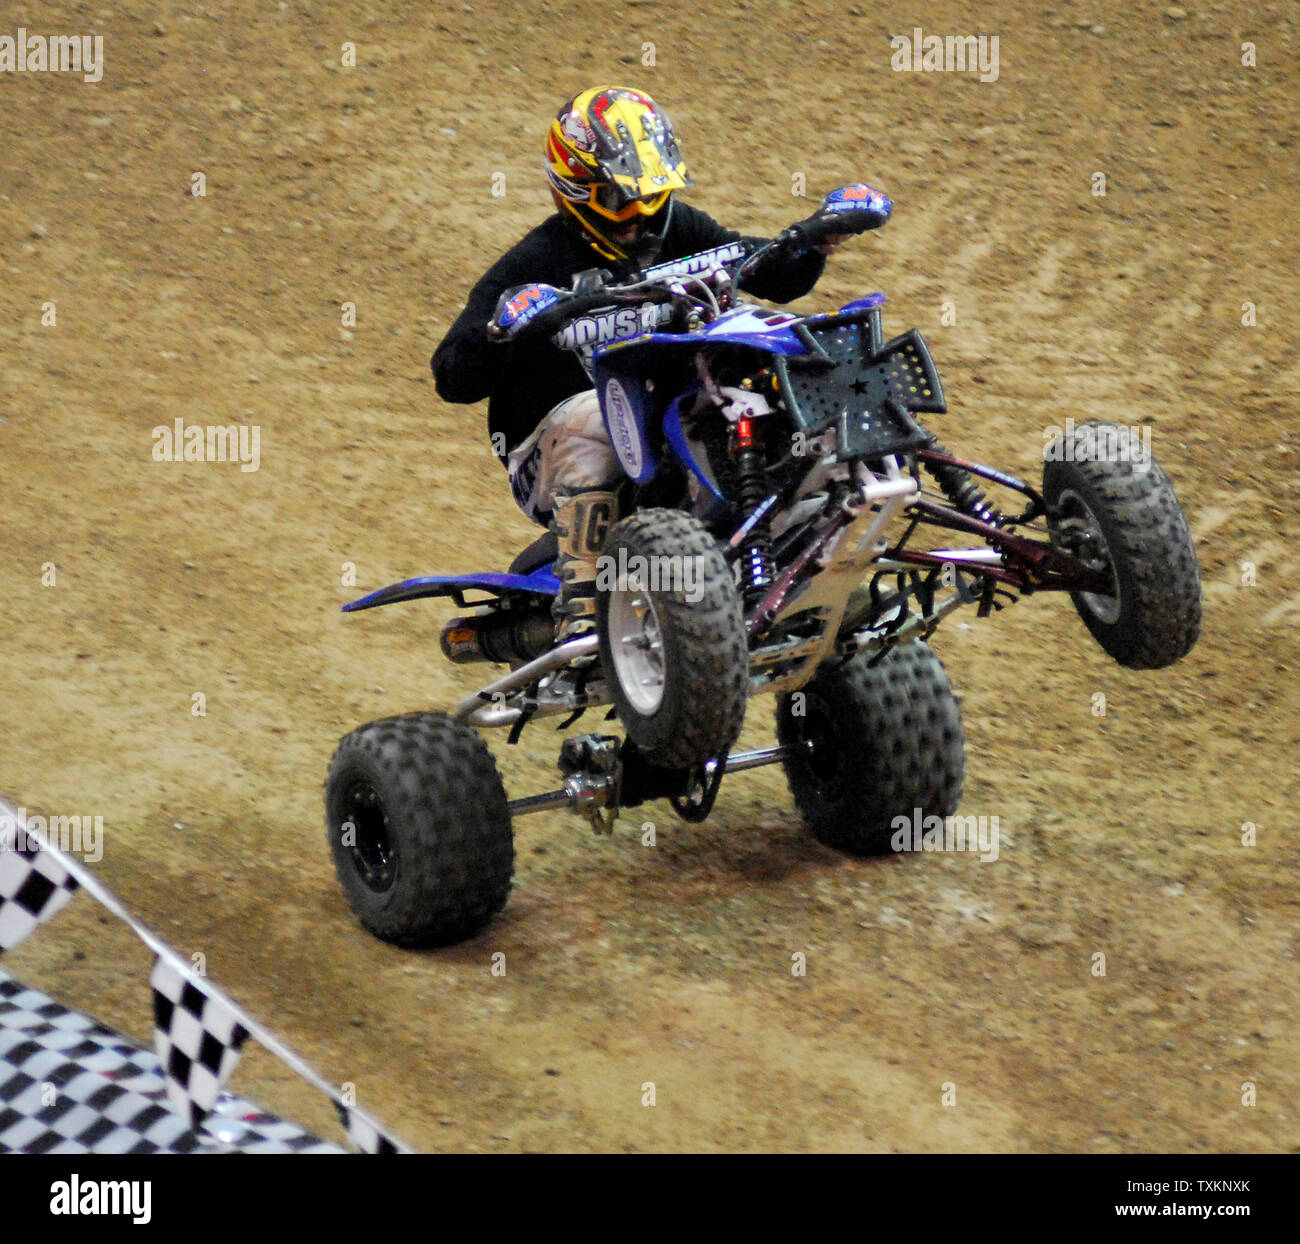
613, 160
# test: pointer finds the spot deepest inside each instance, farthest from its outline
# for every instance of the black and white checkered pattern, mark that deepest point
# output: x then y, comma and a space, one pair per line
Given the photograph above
70, 1085
197, 1035
364, 1132
54, 1062
34, 885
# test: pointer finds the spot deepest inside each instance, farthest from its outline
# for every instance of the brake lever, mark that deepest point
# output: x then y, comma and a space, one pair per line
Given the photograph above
758, 258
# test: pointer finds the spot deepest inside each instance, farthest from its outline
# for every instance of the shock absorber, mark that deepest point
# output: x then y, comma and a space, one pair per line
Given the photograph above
961, 489
756, 557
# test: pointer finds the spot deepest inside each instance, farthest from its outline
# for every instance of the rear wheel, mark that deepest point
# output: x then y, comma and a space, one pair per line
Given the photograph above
419, 829
672, 638
1121, 518
870, 743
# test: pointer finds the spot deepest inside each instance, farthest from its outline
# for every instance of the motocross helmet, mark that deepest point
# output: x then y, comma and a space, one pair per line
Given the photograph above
613, 164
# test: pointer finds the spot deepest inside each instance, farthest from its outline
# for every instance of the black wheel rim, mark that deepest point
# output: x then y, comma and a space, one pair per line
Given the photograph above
373, 852
1079, 532
823, 758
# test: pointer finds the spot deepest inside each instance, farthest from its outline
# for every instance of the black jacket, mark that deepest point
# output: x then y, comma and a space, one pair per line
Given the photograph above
525, 379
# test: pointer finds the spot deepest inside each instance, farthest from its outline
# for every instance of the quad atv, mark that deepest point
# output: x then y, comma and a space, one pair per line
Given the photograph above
793, 529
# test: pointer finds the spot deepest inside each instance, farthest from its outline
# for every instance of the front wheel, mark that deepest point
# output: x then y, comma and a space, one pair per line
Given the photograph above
672, 638
872, 743
419, 829
1117, 512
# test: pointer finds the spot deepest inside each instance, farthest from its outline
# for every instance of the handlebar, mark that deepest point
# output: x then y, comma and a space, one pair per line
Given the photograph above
553, 318
849, 209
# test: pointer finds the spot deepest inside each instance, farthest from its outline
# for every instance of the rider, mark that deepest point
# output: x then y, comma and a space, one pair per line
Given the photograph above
614, 167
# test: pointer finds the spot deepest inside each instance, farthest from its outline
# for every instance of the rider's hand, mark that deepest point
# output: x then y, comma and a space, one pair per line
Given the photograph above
832, 243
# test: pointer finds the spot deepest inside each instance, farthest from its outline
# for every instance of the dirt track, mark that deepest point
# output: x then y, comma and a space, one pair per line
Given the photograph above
1121, 834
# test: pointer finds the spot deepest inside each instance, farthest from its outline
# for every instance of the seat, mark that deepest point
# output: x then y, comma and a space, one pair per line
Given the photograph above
542, 552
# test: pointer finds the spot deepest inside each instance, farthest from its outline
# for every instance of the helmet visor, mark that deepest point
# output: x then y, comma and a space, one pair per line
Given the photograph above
614, 202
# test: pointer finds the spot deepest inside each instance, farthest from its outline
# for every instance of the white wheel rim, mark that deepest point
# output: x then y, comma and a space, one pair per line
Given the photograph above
636, 647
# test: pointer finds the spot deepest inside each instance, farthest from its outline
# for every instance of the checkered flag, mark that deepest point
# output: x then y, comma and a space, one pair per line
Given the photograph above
364, 1132
197, 1035
33, 885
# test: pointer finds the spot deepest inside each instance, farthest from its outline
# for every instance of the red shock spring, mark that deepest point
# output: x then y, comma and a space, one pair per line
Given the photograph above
756, 576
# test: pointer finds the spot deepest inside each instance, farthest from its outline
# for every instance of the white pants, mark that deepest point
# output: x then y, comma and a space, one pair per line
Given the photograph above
568, 452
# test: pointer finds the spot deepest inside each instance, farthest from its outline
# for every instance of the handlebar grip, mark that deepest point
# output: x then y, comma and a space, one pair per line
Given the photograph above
553, 317
808, 232
827, 224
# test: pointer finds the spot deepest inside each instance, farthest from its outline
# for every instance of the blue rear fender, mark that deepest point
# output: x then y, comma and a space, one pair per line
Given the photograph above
500, 586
